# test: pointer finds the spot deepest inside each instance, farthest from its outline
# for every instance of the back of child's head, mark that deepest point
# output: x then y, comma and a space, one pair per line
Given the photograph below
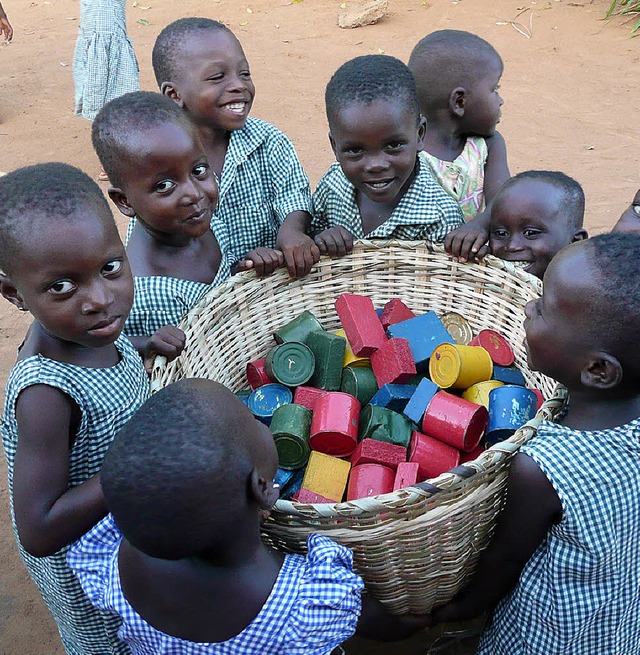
369, 79
176, 478
447, 59
167, 49
44, 193
118, 130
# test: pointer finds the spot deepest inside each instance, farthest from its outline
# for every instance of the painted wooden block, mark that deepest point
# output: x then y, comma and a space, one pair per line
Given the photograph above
394, 312
307, 396
264, 400
372, 451
384, 425
360, 382
361, 323
298, 329
257, 374
416, 407
406, 475
291, 363
290, 428
508, 375
334, 426
328, 350
327, 476
350, 358
424, 333
496, 345
309, 497
432, 455
370, 480
393, 396
393, 362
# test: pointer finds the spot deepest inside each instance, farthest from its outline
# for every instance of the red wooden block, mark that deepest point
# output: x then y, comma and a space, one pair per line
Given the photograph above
372, 451
361, 324
370, 480
539, 396
406, 475
306, 496
257, 375
307, 396
394, 312
393, 362
474, 454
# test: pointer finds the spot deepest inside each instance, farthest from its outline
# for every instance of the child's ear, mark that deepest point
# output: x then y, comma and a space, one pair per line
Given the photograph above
120, 200
602, 371
422, 132
10, 292
580, 235
457, 101
169, 89
333, 145
263, 491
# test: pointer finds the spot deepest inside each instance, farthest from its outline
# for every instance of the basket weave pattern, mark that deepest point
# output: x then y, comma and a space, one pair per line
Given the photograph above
416, 546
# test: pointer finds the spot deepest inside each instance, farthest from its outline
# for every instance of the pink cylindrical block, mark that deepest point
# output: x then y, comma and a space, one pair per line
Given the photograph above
370, 480
455, 421
334, 426
474, 454
257, 375
539, 396
433, 456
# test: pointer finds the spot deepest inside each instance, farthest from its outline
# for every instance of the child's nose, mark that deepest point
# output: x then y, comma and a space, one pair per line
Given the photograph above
193, 192
375, 163
99, 297
514, 244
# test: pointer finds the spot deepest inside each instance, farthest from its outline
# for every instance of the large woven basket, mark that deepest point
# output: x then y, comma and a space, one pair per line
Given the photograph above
414, 547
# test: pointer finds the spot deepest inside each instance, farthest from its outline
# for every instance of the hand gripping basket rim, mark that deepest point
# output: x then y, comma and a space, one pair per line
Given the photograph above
414, 547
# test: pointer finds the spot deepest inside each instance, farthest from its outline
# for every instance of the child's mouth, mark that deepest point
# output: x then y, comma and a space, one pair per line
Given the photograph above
379, 185
236, 107
106, 328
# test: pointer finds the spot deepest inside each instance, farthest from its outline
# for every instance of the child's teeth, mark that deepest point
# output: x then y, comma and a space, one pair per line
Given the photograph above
238, 106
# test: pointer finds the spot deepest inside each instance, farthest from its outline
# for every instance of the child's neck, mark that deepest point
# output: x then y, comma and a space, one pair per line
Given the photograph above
215, 142
591, 411
443, 138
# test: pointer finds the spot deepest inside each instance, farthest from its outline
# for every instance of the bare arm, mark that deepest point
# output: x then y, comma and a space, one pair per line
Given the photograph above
48, 514
531, 508
496, 168
299, 250
5, 26
377, 623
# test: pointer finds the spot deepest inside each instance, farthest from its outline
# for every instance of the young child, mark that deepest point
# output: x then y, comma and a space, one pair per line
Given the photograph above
630, 219
534, 215
458, 77
180, 559
264, 193
379, 186
77, 380
566, 548
160, 177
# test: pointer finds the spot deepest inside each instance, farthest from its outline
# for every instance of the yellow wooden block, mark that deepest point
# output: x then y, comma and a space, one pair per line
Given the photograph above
326, 475
350, 359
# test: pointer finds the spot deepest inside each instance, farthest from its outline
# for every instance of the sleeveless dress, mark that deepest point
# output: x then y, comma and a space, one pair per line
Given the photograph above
107, 398
313, 607
579, 594
463, 178
160, 300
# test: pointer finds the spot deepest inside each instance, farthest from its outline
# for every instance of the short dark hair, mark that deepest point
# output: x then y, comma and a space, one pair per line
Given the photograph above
572, 194
175, 473
614, 317
370, 78
51, 191
128, 115
167, 48
444, 60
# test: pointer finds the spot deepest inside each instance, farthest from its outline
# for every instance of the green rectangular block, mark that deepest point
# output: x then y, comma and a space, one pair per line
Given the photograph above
328, 349
382, 424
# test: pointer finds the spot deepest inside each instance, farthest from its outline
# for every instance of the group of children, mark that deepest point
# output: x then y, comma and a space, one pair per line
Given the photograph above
154, 546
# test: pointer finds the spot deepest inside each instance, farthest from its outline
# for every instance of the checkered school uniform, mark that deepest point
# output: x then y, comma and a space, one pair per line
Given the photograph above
425, 211
262, 183
104, 63
107, 398
579, 594
314, 605
160, 300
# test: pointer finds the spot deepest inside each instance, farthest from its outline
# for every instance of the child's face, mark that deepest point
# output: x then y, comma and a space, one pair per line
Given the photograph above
215, 85
482, 108
75, 280
556, 324
168, 184
527, 225
376, 145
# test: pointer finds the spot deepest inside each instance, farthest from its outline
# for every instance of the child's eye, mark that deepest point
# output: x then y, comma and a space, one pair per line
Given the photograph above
352, 151
499, 234
245, 74
61, 287
112, 267
164, 186
216, 78
201, 170
532, 233
395, 145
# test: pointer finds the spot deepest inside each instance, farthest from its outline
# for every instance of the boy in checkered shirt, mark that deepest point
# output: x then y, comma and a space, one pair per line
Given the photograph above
265, 198
381, 185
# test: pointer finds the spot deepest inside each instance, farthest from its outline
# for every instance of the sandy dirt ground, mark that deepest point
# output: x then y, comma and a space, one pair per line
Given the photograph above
571, 103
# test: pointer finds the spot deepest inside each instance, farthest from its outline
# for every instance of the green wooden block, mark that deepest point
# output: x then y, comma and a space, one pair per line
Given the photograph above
384, 425
359, 382
328, 350
299, 329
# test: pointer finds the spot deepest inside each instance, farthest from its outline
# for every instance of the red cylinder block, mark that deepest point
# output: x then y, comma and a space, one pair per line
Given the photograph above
433, 456
474, 454
370, 480
539, 396
496, 345
334, 427
307, 396
257, 375
455, 421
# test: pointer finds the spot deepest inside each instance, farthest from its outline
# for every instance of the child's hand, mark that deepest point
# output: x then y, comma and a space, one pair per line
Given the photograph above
168, 341
5, 26
469, 241
335, 241
263, 260
300, 252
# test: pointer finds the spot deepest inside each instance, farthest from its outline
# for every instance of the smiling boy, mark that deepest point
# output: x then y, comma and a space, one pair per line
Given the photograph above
380, 186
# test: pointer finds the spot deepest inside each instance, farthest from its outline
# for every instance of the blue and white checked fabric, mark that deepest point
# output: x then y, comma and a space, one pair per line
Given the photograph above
579, 594
313, 607
426, 210
104, 62
262, 183
161, 300
107, 398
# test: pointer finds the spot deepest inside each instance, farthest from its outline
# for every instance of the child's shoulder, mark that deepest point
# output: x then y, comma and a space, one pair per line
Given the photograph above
334, 179
259, 132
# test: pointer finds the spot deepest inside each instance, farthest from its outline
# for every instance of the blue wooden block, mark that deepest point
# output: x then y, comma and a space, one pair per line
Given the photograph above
422, 396
424, 334
379, 311
293, 484
393, 396
508, 375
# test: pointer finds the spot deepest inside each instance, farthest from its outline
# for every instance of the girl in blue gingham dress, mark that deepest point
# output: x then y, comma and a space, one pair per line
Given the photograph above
77, 380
